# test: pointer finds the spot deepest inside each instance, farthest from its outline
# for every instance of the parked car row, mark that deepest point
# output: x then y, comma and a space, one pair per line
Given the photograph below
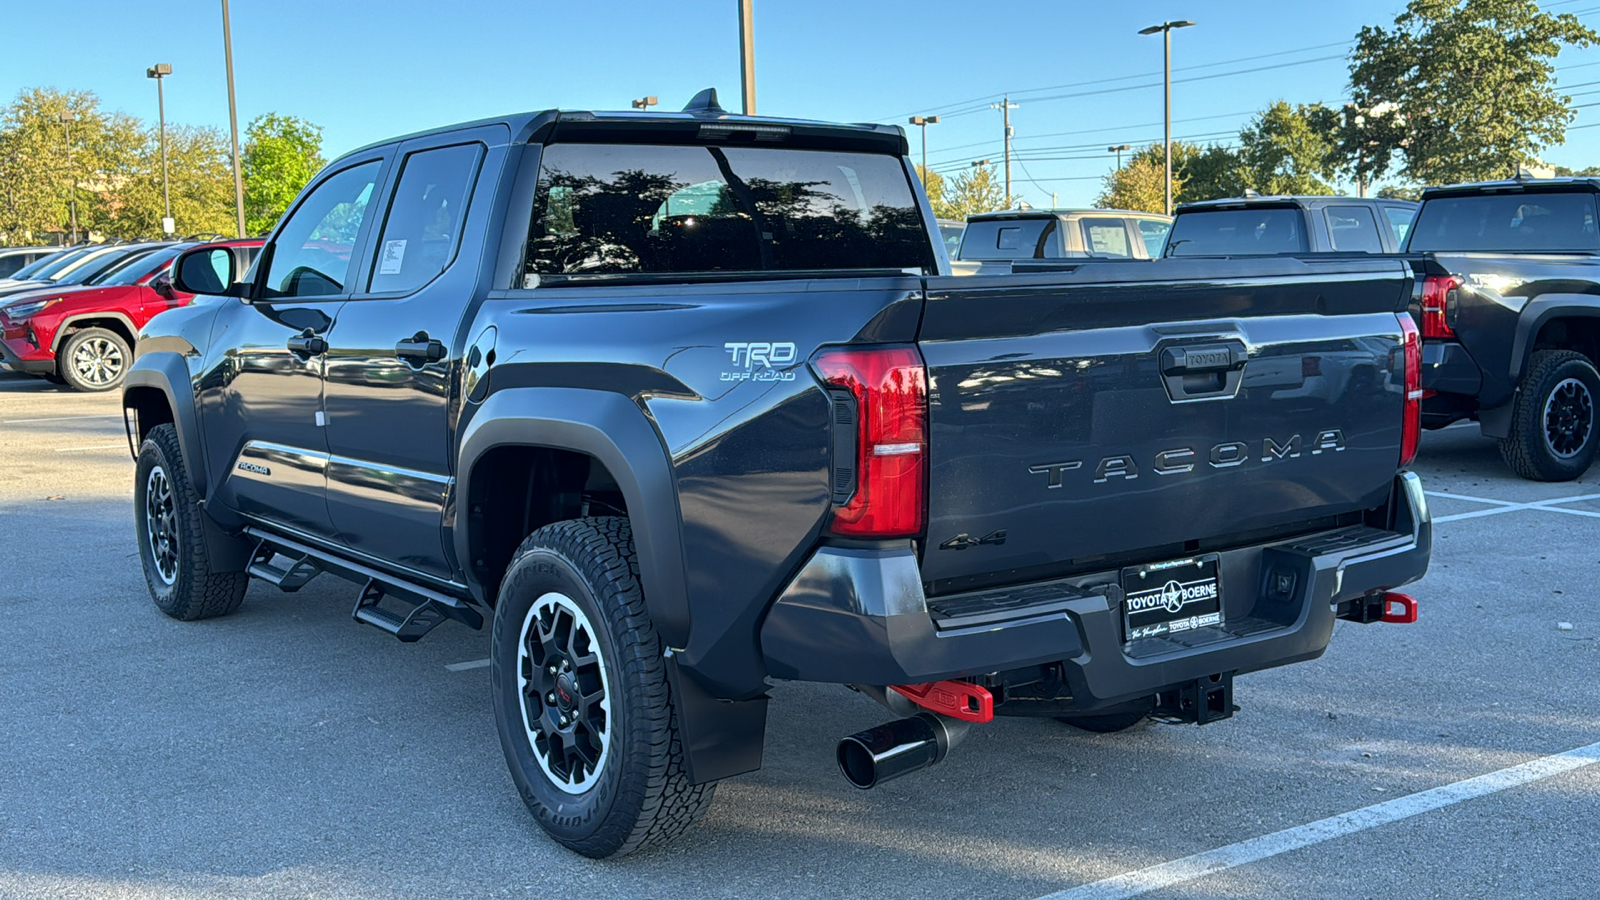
73, 317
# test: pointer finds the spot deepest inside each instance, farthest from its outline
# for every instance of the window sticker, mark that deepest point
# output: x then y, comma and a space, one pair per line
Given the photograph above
394, 254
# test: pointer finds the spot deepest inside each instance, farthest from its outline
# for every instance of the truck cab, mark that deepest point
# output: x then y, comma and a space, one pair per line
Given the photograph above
1260, 226
1011, 235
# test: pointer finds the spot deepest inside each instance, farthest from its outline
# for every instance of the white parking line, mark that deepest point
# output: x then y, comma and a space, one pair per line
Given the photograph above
1179, 871
1505, 506
118, 446
58, 419
470, 664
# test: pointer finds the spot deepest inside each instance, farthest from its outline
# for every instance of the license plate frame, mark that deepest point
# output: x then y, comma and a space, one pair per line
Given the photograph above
1171, 597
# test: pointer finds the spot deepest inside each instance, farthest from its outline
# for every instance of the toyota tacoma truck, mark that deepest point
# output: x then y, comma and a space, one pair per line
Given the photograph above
1508, 301
1257, 225
685, 404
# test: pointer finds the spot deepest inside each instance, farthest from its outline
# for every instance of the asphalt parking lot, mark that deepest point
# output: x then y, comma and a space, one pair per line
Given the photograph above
286, 751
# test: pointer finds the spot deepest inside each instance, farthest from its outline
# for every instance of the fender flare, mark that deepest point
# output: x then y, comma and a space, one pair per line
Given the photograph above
1537, 313
168, 372
64, 324
613, 430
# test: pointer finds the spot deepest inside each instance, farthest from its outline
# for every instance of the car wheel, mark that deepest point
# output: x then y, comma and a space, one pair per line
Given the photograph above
94, 359
1118, 718
1553, 434
581, 698
177, 567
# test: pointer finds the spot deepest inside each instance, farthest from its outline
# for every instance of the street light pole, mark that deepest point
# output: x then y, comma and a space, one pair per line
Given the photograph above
644, 103
233, 120
1006, 106
747, 56
159, 71
1117, 149
924, 122
1166, 92
72, 180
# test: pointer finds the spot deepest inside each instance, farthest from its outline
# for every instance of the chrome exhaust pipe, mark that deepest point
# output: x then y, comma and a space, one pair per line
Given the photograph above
870, 758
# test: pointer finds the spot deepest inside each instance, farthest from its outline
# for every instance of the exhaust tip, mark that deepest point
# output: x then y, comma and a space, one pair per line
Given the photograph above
856, 762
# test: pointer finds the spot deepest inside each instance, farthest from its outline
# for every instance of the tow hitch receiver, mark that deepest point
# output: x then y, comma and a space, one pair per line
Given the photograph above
957, 699
1204, 700
1395, 608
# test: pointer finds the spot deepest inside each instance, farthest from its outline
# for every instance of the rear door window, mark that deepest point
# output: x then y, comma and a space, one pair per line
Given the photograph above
1106, 237
1154, 235
423, 225
1352, 229
1255, 231
1400, 219
609, 209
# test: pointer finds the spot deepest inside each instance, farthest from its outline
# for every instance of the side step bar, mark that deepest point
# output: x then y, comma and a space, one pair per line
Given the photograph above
289, 564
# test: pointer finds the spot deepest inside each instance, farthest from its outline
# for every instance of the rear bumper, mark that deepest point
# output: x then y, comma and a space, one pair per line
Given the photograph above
1447, 368
860, 616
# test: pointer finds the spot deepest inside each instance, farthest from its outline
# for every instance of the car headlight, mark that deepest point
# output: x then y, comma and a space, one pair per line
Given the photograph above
24, 310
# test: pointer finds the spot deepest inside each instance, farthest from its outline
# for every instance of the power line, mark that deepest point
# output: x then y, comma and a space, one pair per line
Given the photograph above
990, 143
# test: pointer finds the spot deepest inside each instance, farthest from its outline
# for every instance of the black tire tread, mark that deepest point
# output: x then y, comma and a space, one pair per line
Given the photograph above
1523, 449
602, 549
207, 594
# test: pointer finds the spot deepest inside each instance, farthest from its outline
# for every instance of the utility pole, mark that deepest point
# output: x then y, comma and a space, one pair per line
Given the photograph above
160, 71
1117, 149
924, 122
72, 179
747, 56
233, 120
1006, 106
1166, 92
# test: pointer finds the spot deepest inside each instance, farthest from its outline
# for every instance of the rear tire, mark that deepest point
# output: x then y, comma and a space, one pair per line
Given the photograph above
581, 698
94, 359
172, 546
1553, 435
1119, 718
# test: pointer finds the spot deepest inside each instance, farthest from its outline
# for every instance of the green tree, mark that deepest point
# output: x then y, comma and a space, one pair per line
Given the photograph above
1589, 172
1458, 90
1290, 149
1400, 192
1141, 183
37, 173
198, 170
933, 186
1210, 174
281, 154
975, 190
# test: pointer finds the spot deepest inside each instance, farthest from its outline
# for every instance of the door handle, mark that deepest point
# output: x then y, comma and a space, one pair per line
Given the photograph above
421, 348
308, 343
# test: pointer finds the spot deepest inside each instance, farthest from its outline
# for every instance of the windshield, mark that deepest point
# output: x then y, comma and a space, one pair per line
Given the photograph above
136, 267
100, 264
1551, 222
1258, 231
1010, 239
28, 270
61, 261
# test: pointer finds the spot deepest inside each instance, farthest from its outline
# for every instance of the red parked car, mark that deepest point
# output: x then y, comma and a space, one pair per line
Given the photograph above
83, 336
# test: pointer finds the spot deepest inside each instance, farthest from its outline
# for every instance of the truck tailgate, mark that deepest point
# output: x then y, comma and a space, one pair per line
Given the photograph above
1126, 411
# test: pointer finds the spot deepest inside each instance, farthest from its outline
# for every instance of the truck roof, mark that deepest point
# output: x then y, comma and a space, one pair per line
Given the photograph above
1514, 184
1283, 199
703, 110
1032, 213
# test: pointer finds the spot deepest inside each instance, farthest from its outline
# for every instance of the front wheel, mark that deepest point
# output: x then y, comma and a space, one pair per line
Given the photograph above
94, 359
1553, 421
171, 534
581, 698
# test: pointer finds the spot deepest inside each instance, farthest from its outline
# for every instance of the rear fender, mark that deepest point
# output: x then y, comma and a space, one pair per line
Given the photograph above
613, 430
1538, 313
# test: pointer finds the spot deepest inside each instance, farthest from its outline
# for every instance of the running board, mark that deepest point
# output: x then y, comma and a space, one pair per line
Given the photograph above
289, 564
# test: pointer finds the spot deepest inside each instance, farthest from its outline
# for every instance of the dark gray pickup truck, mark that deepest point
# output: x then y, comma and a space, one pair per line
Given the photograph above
686, 403
1508, 300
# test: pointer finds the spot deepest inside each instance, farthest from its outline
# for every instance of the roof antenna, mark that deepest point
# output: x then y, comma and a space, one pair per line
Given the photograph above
705, 104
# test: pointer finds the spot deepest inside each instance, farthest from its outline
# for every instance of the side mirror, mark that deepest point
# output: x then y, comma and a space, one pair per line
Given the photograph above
162, 284
207, 270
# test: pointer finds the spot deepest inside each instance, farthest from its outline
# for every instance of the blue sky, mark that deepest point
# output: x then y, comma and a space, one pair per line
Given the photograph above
368, 70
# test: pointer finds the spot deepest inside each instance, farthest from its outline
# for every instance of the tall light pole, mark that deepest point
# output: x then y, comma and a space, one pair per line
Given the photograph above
1006, 106
747, 56
233, 120
1117, 149
644, 103
160, 71
72, 179
1166, 81
924, 122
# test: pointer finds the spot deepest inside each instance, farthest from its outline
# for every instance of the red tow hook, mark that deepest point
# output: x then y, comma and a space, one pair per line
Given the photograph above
962, 699
1400, 609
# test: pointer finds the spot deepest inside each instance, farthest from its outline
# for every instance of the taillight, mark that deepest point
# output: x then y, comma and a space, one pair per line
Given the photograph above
880, 416
1438, 297
1411, 427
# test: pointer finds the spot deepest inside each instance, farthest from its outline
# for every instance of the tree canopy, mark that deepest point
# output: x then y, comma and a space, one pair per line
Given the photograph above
281, 154
975, 190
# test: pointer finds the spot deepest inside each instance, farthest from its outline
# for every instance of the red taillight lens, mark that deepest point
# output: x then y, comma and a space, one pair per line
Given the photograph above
1438, 295
881, 492
1411, 428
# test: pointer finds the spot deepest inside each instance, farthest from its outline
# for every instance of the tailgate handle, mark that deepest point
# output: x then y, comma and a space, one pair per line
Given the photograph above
1209, 358
1203, 371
